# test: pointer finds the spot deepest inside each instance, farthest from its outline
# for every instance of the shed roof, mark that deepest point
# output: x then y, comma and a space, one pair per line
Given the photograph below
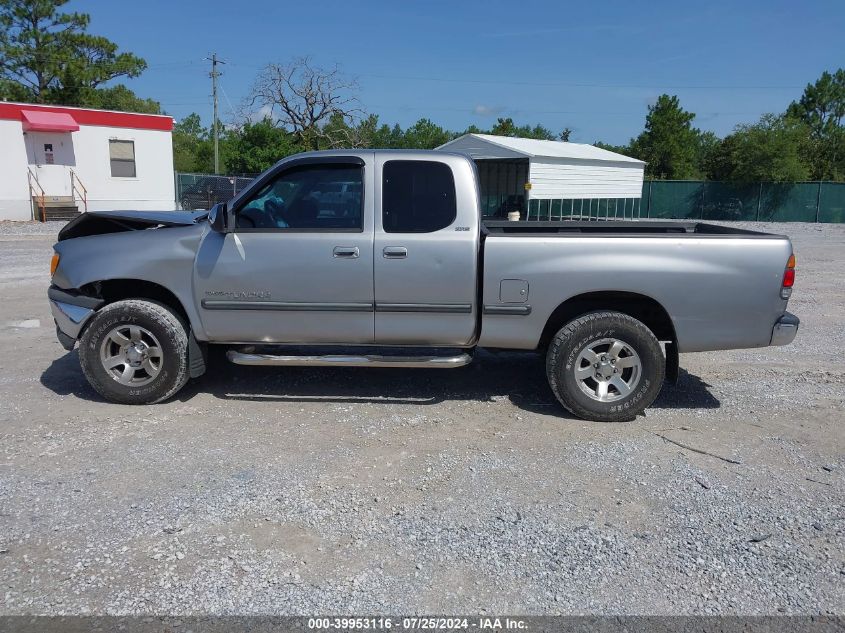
492, 146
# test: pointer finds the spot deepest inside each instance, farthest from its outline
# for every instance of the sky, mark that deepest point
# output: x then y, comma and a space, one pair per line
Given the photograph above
590, 66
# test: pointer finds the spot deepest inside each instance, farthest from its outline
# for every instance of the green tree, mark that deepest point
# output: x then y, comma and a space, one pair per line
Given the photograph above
192, 145
257, 146
120, 98
473, 129
669, 143
822, 108
506, 127
426, 135
769, 150
625, 150
46, 56
387, 137
366, 133
708, 151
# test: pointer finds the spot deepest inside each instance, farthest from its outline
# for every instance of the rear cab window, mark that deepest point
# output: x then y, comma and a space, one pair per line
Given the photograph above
417, 196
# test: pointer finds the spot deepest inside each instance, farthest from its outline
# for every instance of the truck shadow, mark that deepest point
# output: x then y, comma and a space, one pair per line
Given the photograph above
64, 377
516, 376
493, 376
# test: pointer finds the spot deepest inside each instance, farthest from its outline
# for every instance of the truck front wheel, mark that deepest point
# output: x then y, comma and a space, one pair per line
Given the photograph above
605, 366
135, 352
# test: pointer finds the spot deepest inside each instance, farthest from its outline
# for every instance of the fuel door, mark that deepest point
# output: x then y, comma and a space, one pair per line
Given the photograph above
513, 291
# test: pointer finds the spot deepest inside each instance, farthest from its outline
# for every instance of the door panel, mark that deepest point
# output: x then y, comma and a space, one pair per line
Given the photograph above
425, 282
291, 284
286, 288
51, 156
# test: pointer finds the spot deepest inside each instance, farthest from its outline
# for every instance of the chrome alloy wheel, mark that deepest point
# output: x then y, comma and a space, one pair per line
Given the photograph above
608, 370
131, 355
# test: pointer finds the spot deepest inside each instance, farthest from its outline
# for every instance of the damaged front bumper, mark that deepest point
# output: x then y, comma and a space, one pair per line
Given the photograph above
71, 312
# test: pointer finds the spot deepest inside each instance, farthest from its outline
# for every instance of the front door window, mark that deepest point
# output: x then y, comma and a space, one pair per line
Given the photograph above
311, 197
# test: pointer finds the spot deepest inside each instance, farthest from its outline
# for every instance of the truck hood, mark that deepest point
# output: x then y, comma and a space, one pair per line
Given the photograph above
102, 222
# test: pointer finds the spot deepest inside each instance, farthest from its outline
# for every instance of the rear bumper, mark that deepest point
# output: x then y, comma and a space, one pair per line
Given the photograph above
785, 329
70, 312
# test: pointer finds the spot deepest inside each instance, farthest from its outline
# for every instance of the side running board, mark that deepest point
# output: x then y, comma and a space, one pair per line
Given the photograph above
343, 360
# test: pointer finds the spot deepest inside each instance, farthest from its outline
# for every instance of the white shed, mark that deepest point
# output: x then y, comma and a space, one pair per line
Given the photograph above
552, 179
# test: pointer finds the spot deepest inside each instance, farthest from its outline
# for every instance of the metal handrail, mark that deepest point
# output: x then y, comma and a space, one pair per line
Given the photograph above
41, 197
75, 186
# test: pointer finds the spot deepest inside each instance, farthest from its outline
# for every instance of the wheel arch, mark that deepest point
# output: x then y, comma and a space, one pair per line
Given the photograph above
639, 306
113, 290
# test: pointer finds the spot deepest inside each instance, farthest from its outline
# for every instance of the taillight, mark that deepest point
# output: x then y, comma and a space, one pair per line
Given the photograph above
788, 278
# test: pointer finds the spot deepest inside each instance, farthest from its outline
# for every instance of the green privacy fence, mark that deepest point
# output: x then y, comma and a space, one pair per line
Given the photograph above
764, 202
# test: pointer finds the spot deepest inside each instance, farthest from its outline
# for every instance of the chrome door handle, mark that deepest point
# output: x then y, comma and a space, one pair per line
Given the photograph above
395, 252
347, 252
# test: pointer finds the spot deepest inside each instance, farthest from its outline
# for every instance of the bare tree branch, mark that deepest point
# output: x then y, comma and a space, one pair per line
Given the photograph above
303, 98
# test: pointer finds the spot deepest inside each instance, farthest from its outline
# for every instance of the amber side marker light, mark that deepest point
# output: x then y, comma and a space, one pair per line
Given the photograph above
54, 263
788, 278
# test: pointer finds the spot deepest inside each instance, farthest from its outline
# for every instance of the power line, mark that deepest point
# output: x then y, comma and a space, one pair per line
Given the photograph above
66, 58
584, 85
512, 110
565, 84
229, 101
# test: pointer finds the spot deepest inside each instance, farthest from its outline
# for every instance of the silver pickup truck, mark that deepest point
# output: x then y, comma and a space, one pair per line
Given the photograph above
381, 259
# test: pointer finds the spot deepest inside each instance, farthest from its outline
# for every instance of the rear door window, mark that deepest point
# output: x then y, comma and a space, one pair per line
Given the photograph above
417, 196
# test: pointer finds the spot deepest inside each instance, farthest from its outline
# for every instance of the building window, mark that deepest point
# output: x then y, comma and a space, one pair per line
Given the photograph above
122, 158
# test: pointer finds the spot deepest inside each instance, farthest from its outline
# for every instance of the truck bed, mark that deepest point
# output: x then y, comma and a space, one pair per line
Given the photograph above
720, 285
618, 227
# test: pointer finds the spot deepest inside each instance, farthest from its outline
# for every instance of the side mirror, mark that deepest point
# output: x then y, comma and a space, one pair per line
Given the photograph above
217, 217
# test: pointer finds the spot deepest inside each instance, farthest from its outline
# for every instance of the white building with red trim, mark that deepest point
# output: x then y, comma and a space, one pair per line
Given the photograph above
58, 161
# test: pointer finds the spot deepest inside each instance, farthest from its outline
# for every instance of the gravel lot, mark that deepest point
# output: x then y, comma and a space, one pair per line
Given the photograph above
301, 491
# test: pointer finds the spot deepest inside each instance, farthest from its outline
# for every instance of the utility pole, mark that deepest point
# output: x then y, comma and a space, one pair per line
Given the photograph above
216, 123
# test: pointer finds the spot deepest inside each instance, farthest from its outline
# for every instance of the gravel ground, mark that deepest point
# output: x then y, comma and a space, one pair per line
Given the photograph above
9, 228
301, 491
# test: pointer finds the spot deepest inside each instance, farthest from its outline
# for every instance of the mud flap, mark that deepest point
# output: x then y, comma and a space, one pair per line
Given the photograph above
673, 365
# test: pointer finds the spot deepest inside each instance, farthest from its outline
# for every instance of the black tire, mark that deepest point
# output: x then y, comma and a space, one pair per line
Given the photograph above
162, 328
587, 331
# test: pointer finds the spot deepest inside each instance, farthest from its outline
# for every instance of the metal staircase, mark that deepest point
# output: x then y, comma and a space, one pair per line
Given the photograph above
56, 208
60, 208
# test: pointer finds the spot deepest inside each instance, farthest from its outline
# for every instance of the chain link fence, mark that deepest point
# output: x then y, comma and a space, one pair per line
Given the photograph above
203, 191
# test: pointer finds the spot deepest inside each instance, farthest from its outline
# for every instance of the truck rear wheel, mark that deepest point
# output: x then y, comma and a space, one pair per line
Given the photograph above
605, 366
135, 352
